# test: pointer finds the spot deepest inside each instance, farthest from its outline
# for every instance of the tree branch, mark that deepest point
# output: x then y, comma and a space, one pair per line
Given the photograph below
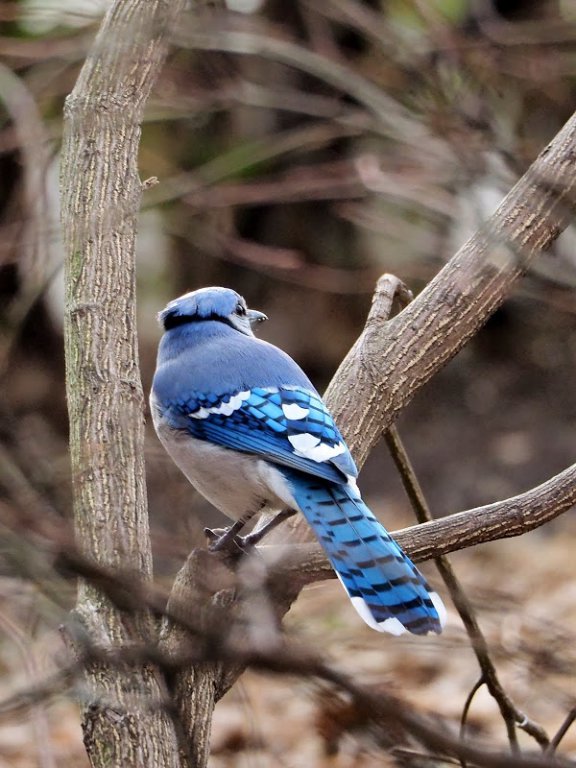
501, 520
511, 714
392, 360
201, 612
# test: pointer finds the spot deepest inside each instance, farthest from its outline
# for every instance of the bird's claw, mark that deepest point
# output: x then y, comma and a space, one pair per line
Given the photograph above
226, 540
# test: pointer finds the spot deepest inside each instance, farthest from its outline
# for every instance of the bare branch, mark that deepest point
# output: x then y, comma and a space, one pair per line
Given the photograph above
393, 118
511, 715
562, 731
392, 360
503, 519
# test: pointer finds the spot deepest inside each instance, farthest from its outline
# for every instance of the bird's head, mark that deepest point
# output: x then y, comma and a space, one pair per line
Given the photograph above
220, 304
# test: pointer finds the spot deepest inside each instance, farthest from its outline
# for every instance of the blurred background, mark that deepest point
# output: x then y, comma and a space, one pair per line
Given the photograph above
349, 138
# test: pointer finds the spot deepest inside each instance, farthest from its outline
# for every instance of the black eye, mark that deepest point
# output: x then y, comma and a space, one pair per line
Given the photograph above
240, 309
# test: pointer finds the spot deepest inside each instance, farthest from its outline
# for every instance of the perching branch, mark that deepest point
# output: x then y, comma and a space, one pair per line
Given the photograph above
43, 529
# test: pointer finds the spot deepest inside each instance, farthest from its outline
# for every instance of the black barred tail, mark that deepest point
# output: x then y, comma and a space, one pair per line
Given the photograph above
385, 587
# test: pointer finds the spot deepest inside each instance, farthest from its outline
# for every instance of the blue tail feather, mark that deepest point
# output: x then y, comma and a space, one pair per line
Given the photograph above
384, 585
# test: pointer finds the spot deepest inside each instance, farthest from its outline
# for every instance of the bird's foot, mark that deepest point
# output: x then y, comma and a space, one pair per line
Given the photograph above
254, 538
225, 539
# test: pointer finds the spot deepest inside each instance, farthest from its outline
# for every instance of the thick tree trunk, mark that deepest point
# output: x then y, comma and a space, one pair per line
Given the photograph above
125, 721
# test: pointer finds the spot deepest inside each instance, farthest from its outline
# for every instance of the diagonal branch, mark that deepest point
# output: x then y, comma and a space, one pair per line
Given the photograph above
392, 360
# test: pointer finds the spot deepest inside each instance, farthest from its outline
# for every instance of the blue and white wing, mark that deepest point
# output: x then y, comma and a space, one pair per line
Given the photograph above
286, 425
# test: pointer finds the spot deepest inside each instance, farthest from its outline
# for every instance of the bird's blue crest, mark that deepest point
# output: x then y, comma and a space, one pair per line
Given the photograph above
202, 304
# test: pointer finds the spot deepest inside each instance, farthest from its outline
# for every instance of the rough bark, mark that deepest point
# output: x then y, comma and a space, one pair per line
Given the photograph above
124, 720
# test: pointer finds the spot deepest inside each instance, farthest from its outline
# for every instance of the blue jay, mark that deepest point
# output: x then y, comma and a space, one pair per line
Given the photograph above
250, 432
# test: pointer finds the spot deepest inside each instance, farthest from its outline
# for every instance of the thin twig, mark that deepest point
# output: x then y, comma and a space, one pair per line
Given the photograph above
394, 118
511, 715
559, 735
466, 708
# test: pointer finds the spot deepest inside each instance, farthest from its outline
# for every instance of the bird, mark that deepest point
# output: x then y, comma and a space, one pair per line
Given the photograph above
248, 429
